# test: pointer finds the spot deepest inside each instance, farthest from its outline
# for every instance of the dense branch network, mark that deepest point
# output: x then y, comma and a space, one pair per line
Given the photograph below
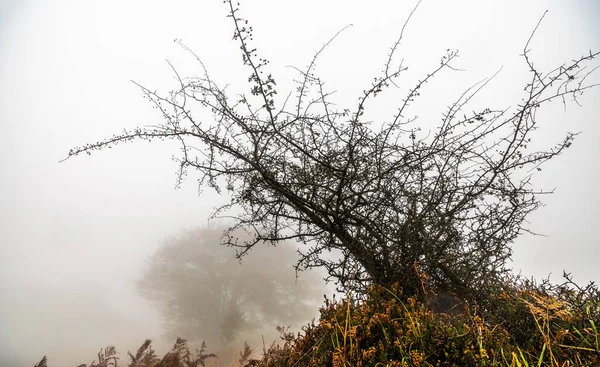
384, 201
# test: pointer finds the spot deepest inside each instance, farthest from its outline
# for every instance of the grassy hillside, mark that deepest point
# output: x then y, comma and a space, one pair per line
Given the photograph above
523, 324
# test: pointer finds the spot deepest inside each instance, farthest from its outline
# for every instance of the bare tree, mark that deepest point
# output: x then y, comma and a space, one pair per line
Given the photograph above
393, 203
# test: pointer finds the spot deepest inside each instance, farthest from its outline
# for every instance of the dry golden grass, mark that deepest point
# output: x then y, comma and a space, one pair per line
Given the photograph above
523, 325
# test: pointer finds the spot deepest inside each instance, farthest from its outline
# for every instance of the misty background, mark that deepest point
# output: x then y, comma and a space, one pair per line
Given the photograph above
74, 236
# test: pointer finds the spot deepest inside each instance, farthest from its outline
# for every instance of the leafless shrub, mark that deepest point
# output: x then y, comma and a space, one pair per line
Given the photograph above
380, 198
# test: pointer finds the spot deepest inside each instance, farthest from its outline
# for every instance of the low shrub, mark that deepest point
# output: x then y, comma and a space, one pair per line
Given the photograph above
519, 324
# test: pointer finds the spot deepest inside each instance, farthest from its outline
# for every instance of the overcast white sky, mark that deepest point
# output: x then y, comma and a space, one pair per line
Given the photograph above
73, 235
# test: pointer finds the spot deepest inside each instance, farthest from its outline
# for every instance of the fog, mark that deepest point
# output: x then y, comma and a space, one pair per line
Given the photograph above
75, 235
203, 294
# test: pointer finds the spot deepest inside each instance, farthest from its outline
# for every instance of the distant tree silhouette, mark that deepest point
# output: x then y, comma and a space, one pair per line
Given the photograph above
383, 198
203, 293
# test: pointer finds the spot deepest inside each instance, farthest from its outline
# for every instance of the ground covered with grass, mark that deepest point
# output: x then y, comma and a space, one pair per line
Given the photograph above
520, 324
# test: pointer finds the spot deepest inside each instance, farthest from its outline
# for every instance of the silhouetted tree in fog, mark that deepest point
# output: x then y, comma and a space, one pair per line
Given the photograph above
203, 293
392, 202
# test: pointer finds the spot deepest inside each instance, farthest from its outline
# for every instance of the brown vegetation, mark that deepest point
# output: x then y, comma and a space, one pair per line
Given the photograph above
531, 325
